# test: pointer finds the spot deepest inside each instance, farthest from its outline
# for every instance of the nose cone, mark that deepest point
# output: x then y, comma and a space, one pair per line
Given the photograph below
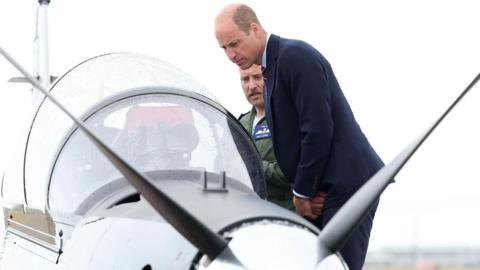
276, 245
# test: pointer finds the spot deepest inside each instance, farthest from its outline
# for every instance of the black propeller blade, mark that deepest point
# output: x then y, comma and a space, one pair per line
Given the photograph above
206, 240
349, 217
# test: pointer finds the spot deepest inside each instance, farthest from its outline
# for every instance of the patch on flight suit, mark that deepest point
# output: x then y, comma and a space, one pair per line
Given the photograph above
261, 132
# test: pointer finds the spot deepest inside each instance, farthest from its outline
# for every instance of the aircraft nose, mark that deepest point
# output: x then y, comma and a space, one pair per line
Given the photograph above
271, 249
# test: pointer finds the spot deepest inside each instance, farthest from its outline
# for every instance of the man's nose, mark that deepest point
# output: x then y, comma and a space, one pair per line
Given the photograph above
251, 85
230, 54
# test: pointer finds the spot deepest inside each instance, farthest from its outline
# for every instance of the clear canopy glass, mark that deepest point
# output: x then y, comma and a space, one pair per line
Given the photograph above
151, 114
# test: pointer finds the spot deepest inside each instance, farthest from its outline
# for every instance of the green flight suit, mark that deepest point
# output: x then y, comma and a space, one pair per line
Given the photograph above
278, 187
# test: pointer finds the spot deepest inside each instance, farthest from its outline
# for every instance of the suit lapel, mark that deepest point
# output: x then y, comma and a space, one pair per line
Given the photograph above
272, 54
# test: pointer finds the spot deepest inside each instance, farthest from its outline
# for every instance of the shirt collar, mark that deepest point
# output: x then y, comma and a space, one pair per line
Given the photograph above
264, 55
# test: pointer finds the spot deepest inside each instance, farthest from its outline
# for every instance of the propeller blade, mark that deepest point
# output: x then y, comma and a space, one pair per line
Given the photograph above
349, 217
206, 240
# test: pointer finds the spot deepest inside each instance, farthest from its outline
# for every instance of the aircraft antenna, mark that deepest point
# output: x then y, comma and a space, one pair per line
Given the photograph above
41, 58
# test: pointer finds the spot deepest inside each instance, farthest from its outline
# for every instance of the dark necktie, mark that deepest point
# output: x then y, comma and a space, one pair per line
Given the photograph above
265, 94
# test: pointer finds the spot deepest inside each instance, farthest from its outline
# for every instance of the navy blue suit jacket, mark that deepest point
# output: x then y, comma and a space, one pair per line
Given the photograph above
317, 141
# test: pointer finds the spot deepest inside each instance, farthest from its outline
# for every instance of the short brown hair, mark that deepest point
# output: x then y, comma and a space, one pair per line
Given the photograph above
243, 17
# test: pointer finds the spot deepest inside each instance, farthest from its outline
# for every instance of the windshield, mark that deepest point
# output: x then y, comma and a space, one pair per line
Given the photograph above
152, 114
152, 132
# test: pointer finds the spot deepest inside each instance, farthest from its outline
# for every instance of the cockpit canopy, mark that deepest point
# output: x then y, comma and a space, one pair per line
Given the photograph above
151, 114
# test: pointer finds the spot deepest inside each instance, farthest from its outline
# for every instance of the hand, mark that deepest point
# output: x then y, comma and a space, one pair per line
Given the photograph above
318, 202
304, 207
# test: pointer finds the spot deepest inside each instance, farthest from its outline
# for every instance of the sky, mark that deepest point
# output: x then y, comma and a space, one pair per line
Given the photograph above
399, 63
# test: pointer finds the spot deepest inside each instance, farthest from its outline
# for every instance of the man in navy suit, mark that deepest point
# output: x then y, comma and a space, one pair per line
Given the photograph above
317, 141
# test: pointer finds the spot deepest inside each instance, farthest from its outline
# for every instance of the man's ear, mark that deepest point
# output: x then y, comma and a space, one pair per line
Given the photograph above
255, 28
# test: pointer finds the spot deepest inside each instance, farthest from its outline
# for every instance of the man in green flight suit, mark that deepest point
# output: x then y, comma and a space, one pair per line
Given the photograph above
254, 121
